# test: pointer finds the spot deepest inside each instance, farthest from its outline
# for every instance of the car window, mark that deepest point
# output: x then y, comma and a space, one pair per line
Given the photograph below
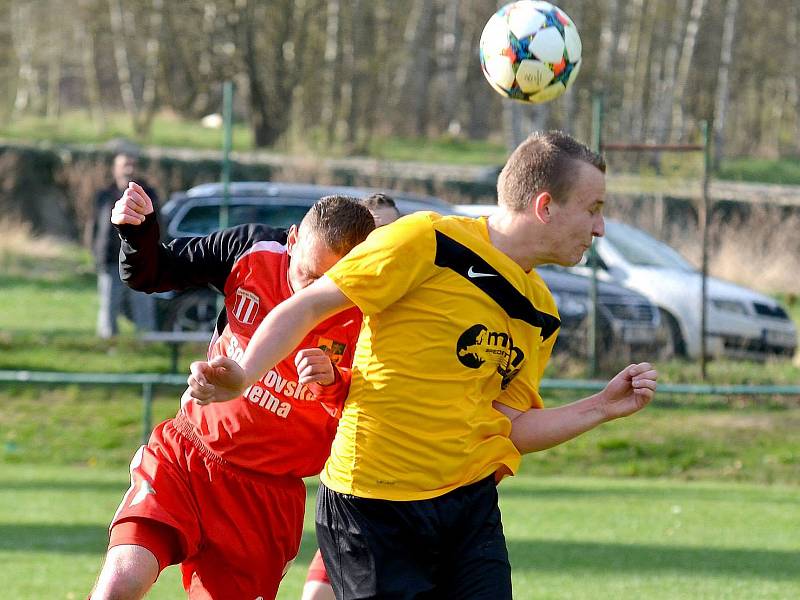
640, 249
203, 219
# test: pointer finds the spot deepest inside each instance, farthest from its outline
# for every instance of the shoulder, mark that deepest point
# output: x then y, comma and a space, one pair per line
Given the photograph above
263, 233
253, 233
411, 228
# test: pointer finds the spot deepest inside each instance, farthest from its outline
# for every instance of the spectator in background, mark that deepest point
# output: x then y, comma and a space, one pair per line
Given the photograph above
115, 297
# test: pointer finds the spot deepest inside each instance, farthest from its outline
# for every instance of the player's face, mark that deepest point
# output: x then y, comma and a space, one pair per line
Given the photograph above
578, 218
309, 258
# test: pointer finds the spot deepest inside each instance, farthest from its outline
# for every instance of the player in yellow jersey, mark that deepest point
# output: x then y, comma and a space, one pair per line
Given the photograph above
444, 398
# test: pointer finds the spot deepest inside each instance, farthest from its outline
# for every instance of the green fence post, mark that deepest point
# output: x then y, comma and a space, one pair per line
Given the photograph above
147, 411
592, 325
703, 217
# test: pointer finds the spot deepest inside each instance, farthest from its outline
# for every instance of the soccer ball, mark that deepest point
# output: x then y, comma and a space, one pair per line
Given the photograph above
530, 51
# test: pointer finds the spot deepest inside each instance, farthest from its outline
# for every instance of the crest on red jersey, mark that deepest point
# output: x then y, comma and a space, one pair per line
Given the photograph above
245, 309
333, 348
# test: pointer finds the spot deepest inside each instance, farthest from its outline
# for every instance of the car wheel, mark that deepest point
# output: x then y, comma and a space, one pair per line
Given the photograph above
669, 338
194, 311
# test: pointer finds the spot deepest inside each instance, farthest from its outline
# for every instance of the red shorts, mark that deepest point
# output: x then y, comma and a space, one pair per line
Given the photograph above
236, 534
316, 570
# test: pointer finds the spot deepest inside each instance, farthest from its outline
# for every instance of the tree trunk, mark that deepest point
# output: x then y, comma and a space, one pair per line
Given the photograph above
54, 80
606, 46
122, 24
793, 77
123, 62
660, 116
413, 74
269, 79
684, 64
202, 100
521, 120
450, 43
630, 48
151, 66
182, 88
331, 89
423, 68
23, 37
380, 80
359, 93
722, 95
86, 35
635, 96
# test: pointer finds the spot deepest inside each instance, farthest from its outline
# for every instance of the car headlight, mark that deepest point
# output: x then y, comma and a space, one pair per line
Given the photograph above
571, 305
729, 306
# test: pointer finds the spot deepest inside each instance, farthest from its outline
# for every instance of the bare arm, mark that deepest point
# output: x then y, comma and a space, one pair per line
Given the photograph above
278, 334
538, 429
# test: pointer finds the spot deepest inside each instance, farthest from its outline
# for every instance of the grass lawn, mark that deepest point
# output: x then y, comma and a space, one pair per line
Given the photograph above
568, 537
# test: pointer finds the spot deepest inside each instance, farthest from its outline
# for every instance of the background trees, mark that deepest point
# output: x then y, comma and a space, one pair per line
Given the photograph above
339, 72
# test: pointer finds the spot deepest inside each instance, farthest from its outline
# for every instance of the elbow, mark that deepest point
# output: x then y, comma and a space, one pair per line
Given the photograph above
136, 281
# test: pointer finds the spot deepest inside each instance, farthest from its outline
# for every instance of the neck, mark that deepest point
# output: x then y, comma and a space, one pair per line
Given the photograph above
516, 237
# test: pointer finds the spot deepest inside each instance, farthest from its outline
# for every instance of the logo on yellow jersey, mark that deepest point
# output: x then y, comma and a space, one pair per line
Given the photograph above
479, 345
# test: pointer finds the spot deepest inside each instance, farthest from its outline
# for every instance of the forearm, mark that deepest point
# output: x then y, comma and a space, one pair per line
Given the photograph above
540, 429
140, 261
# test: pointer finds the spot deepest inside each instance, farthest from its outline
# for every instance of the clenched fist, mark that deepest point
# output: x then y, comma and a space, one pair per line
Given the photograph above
132, 207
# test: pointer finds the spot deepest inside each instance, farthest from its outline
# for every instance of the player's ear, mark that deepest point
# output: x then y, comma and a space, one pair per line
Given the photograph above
541, 206
291, 239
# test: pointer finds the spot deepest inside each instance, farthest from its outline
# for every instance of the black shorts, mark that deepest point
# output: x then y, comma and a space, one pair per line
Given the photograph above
447, 547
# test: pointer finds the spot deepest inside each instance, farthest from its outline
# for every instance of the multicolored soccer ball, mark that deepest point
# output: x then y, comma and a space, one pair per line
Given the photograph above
530, 51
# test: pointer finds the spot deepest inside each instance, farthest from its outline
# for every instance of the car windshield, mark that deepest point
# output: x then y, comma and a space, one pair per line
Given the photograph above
640, 249
203, 219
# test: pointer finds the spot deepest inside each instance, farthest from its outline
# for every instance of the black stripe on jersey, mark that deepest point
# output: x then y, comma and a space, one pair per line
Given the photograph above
457, 257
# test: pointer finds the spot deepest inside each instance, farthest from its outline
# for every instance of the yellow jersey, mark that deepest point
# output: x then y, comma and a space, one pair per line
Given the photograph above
450, 325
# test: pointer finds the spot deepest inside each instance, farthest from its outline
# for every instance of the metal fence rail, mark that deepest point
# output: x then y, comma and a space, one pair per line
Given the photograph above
148, 380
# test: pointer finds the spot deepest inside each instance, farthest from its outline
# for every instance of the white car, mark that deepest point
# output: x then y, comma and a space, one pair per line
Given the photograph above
741, 323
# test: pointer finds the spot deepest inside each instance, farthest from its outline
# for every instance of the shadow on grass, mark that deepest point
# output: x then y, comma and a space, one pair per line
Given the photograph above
59, 282
563, 556
66, 539
67, 486
665, 493
88, 538
577, 557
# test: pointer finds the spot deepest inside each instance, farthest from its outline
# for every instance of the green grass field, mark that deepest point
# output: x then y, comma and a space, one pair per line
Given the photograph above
568, 537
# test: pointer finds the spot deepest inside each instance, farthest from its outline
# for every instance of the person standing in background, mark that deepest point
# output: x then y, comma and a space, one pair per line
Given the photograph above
114, 296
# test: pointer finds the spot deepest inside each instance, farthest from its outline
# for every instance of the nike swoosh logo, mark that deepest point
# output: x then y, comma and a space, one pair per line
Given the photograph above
472, 273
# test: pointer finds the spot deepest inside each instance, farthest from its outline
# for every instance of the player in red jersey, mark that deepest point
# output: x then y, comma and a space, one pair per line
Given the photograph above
218, 488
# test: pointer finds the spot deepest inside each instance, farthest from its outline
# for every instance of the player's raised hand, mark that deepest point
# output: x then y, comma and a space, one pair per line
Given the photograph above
132, 207
630, 390
217, 380
314, 366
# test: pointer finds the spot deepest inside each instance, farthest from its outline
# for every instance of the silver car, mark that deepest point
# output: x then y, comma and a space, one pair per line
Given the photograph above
741, 323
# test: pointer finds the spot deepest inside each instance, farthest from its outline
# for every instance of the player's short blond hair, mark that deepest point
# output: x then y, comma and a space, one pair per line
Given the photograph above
544, 162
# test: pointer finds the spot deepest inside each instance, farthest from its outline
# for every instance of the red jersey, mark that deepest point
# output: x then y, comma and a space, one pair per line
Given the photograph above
278, 426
